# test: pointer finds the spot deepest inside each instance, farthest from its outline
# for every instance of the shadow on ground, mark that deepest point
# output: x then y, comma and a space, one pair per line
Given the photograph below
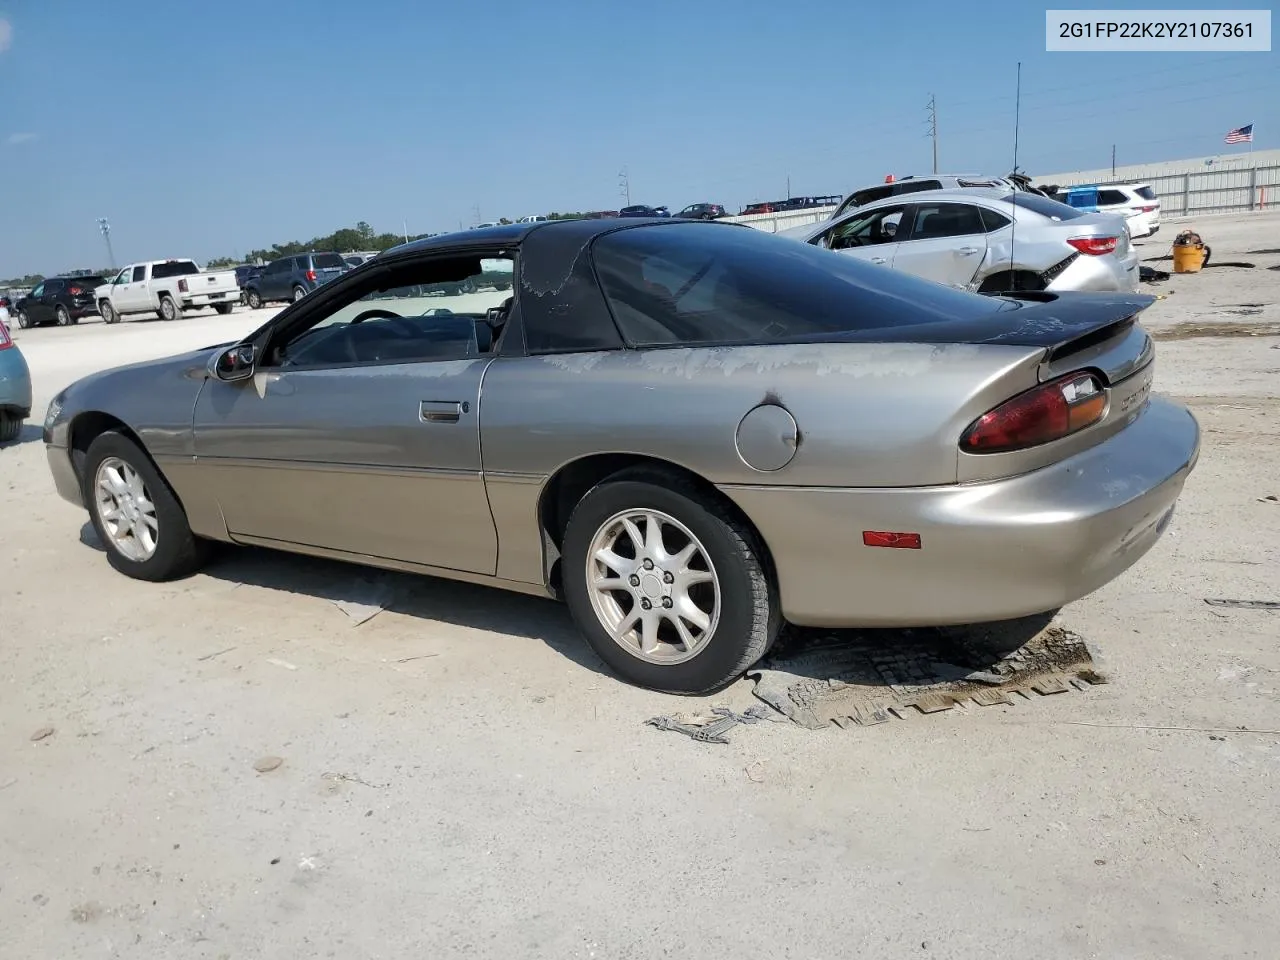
30, 433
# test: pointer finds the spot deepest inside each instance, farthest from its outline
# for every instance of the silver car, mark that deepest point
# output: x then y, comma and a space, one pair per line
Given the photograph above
690, 431
15, 387
991, 241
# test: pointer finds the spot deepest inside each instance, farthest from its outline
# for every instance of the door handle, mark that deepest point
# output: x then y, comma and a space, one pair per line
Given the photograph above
442, 411
967, 251
877, 259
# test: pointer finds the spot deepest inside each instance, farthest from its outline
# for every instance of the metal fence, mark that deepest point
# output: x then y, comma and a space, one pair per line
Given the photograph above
773, 222
1207, 191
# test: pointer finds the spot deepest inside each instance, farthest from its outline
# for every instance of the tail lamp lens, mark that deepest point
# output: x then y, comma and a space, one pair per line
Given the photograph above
5, 342
1094, 246
1043, 414
311, 275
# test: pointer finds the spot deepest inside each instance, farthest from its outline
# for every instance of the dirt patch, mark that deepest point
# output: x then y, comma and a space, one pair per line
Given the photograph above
1190, 330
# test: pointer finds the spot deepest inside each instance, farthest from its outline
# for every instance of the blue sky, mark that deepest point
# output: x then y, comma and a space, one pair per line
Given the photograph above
211, 129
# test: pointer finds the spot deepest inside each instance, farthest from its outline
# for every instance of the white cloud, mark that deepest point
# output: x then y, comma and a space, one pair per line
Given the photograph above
17, 138
6, 34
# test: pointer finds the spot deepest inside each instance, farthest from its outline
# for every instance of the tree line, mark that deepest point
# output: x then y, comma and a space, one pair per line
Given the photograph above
347, 240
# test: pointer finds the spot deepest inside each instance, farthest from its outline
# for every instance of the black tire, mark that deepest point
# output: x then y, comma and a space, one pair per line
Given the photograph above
298, 293
169, 309
10, 428
178, 553
750, 615
62, 316
254, 299
467, 286
1011, 281
23, 320
108, 312
224, 308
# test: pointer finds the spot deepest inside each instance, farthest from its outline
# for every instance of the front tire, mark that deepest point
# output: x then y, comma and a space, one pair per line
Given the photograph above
139, 520
108, 312
668, 587
23, 320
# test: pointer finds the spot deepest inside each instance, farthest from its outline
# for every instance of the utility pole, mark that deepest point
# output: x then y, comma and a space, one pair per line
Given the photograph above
624, 185
406, 231
105, 227
476, 211
932, 108
788, 186
1113, 161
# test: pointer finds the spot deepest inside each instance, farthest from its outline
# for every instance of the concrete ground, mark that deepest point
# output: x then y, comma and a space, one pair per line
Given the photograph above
459, 776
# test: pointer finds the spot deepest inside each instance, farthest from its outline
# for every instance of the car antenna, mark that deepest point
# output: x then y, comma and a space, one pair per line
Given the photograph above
1017, 116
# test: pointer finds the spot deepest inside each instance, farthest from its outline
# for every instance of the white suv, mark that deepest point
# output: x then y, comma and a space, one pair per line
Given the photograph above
1136, 202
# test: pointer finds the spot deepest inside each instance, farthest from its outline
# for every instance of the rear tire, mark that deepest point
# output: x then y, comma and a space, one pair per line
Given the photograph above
224, 308
62, 316
123, 489
723, 586
255, 300
299, 293
10, 428
108, 312
169, 309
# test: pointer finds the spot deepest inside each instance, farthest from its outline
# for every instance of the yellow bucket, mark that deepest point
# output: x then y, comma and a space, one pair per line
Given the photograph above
1188, 258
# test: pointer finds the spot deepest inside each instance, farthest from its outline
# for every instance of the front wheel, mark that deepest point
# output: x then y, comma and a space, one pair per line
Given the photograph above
137, 517
108, 312
23, 320
668, 587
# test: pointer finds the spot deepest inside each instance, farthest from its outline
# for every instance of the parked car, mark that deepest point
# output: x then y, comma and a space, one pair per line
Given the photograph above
801, 412
702, 211
641, 210
354, 260
166, 288
15, 387
292, 278
989, 241
1137, 203
913, 184
751, 209
60, 300
534, 218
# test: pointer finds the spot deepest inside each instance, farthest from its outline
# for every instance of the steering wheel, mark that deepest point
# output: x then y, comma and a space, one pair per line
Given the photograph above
377, 313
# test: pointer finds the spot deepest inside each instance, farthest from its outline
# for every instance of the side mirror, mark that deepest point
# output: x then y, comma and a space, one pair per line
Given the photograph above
235, 363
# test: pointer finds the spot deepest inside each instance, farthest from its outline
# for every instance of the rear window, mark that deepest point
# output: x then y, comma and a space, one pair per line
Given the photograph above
915, 186
327, 261
1043, 206
709, 285
1111, 197
174, 268
1146, 193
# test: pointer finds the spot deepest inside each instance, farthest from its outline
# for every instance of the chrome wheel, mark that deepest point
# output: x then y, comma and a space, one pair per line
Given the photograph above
298, 294
23, 322
126, 510
653, 587
63, 317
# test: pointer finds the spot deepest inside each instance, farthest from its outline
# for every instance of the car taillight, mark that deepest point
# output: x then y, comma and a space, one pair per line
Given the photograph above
1151, 209
5, 341
1043, 414
182, 286
1094, 246
311, 275
75, 291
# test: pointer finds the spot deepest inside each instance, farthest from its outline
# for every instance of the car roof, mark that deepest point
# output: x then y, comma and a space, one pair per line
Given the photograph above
960, 195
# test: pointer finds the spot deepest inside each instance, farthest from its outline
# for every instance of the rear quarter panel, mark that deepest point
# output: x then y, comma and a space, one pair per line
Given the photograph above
869, 415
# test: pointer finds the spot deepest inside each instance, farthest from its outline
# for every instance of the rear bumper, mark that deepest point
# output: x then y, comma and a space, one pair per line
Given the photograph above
1107, 274
209, 299
989, 551
85, 308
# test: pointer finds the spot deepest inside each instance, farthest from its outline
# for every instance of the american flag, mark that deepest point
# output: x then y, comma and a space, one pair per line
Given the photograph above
1240, 135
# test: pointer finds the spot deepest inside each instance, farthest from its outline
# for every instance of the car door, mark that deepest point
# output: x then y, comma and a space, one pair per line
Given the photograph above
34, 306
131, 296
869, 235
359, 434
271, 284
946, 242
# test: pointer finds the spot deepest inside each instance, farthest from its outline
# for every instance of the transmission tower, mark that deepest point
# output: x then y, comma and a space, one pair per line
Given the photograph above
932, 108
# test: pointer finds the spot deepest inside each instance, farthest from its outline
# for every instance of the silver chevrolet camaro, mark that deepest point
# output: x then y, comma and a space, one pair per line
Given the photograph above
690, 432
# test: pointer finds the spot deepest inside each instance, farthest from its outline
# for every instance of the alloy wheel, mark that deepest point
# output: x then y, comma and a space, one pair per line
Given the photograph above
653, 587
127, 512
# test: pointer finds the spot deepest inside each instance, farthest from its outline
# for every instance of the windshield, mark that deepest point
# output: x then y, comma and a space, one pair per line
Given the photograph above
328, 261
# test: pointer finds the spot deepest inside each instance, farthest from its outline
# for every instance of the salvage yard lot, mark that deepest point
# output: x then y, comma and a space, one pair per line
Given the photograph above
459, 775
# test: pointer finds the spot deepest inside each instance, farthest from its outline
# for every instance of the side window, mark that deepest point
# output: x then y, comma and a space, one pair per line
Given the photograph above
934, 221
867, 229
1146, 193
276, 266
1108, 197
53, 287
38, 291
993, 221
124, 275
139, 273
439, 309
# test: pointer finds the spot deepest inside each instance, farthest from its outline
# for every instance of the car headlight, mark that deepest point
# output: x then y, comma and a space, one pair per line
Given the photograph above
55, 409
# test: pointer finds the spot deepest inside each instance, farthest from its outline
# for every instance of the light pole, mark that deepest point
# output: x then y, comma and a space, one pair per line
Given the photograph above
105, 227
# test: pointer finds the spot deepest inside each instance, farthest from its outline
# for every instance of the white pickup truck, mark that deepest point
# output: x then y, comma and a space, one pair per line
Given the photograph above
166, 287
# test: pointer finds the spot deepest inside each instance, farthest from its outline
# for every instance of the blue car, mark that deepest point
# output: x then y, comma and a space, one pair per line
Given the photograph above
15, 387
